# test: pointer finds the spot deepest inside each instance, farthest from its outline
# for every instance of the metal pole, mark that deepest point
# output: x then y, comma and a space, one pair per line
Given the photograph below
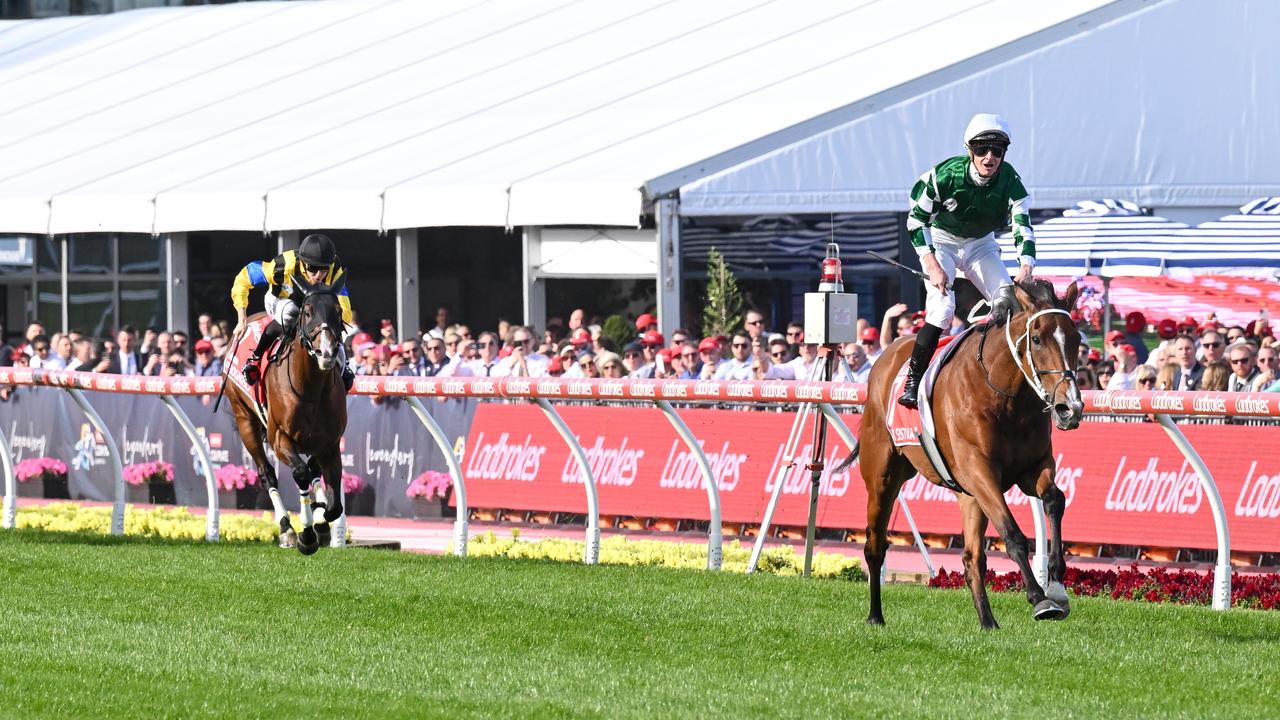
117, 468
715, 533
10, 484
1222, 569
202, 449
455, 472
817, 463
591, 551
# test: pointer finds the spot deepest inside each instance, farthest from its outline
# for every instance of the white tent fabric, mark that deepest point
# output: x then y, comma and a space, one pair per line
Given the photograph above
1244, 244
381, 114
1161, 102
1107, 238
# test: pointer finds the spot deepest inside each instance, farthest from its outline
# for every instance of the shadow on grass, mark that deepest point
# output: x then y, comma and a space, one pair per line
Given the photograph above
34, 536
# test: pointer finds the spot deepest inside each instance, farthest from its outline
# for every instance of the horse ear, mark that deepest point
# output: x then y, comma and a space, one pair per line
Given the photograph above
338, 284
1069, 298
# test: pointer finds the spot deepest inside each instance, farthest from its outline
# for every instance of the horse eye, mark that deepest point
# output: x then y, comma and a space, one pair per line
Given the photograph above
1035, 340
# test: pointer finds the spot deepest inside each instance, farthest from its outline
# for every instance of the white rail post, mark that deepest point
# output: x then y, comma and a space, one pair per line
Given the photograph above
715, 533
117, 468
591, 551
211, 533
1222, 569
838, 424
10, 484
455, 472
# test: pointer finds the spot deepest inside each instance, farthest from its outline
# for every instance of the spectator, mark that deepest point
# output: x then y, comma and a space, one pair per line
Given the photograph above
1109, 344
679, 337
369, 361
1243, 368
802, 365
870, 339
1085, 379
689, 362
1144, 378
610, 365
442, 324
162, 346
753, 325
40, 353
82, 357
387, 334
1105, 370
522, 361
576, 319
795, 337
205, 326
1216, 375
645, 323
415, 363
855, 356
1234, 334
1165, 376
1134, 323
1212, 347
125, 360
486, 364
894, 317
1124, 375
737, 367
587, 364
176, 365
1189, 371
1267, 368
772, 362
180, 343
436, 358
207, 364
451, 342
709, 355
650, 343
1166, 330
62, 352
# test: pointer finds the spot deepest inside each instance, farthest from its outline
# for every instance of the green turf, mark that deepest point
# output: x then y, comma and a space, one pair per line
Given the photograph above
129, 628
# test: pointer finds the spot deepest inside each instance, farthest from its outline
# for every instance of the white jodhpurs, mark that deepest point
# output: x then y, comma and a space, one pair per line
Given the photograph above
979, 259
281, 309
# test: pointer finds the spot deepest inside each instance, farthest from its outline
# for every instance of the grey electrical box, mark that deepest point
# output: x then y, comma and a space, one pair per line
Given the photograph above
830, 317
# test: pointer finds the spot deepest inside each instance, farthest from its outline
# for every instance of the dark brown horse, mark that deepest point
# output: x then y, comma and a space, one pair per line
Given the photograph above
306, 416
993, 403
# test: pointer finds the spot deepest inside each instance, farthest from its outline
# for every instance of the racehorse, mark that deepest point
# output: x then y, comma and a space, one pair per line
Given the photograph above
992, 403
306, 415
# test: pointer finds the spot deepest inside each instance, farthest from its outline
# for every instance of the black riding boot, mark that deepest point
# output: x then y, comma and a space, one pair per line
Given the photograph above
269, 334
926, 343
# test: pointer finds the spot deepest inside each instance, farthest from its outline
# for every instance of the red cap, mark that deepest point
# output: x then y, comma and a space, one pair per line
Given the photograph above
505, 351
554, 365
1094, 354
917, 315
870, 334
653, 338
644, 321
1188, 321
1128, 349
667, 354
386, 323
581, 337
360, 338
1167, 328
708, 344
202, 345
1114, 335
1134, 322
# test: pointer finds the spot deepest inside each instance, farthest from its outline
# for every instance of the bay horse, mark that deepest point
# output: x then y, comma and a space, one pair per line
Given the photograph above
992, 404
306, 416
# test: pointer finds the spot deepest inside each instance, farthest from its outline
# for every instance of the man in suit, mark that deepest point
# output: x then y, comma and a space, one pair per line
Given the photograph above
1189, 372
125, 360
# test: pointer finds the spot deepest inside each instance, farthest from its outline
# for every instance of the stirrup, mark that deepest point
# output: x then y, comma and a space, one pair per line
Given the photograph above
252, 374
348, 378
910, 396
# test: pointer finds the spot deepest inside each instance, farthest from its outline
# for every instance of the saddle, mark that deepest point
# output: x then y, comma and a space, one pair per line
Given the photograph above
916, 427
239, 362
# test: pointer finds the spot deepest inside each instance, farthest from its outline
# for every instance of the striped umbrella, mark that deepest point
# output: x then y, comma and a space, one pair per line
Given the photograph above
1107, 238
1244, 244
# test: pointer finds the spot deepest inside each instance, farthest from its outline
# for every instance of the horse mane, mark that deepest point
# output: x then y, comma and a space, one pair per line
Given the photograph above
1041, 291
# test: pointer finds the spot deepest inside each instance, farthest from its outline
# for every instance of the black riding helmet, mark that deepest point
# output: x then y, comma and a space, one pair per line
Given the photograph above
317, 251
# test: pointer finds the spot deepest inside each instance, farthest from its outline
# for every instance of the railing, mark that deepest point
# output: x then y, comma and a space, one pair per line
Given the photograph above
659, 393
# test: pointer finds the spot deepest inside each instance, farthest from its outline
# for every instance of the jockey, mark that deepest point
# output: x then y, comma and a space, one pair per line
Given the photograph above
316, 261
956, 208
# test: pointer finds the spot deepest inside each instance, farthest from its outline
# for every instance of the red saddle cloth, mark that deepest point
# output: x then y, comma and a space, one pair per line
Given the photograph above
253, 333
904, 423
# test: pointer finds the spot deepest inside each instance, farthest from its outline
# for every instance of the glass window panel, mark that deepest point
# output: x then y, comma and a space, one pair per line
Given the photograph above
90, 306
49, 306
49, 254
90, 253
16, 253
142, 304
141, 254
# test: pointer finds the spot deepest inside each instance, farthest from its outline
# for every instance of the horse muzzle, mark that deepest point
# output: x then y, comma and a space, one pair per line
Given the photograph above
1067, 415
325, 362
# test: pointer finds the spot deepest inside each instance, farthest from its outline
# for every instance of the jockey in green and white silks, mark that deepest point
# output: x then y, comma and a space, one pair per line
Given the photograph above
956, 208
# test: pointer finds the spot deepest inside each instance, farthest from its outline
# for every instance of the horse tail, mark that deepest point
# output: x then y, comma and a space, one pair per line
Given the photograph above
853, 456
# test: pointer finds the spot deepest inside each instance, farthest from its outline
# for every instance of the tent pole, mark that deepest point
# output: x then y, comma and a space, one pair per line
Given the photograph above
1106, 306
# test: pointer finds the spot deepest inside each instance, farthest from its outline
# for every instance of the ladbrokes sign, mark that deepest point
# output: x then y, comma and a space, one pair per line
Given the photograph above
1125, 483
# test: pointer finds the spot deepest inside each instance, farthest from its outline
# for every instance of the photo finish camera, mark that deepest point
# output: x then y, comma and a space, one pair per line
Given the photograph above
831, 315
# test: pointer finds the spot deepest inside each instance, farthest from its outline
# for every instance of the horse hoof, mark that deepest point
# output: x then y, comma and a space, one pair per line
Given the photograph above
324, 534
875, 620
1048, 610
288, 539
308, 541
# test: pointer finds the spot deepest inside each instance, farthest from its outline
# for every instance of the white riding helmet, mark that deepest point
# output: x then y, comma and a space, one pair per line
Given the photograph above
987, 124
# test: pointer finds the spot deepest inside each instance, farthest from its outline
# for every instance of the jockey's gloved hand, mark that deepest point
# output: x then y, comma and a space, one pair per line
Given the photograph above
1004, 305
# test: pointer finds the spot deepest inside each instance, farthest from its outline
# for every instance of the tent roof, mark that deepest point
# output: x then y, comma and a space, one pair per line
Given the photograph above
1157, 101
379, 114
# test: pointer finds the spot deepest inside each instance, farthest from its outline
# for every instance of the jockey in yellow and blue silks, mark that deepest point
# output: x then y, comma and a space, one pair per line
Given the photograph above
315, 261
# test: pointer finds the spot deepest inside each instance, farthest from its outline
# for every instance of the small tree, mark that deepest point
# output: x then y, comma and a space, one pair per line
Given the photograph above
722, 314
618, 330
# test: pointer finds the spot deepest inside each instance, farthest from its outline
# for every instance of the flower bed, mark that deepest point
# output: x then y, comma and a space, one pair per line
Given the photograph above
168, 523
1187, 587
619, 550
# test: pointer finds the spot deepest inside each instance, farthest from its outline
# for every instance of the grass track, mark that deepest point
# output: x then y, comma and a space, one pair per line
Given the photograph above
94, 627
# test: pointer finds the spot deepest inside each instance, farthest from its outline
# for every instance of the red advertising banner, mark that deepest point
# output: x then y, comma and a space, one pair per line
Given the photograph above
1126, 483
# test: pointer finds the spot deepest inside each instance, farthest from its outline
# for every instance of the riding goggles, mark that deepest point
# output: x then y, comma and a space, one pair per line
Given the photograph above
308, 268
983, 149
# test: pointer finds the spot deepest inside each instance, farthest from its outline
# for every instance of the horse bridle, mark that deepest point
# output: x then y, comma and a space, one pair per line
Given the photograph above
1034, 375
308, 335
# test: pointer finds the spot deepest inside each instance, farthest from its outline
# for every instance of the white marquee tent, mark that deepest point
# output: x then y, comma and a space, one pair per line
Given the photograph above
381, 114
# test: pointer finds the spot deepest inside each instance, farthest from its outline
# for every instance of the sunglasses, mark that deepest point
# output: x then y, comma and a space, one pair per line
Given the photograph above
611, 366
779, 354
688, 355
982, 150
794, 333
1239, 361
486, 343
455, 342
1212, 345
435, 347
1105, 373
1266, 359
308, 269
740, 345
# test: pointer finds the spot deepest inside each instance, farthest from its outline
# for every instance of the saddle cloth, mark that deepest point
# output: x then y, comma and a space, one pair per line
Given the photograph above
905, 424
235, 373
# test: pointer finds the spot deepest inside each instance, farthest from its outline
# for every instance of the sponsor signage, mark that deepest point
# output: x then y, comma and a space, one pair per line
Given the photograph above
1125, 483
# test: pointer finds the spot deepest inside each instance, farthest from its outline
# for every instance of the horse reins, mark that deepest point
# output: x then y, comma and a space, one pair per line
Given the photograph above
1033, 377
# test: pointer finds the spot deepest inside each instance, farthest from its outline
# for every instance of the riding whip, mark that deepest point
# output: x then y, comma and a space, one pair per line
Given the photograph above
226, 369
895, 263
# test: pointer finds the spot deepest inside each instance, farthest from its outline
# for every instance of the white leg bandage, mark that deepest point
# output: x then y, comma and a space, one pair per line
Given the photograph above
277, 504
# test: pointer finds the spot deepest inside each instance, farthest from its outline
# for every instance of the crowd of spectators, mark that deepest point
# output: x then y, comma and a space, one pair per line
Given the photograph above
1187, 354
